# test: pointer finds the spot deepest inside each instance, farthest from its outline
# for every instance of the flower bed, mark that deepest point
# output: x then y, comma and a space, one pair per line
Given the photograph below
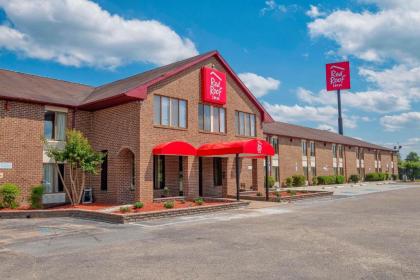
91, 207
284, 195
159, 206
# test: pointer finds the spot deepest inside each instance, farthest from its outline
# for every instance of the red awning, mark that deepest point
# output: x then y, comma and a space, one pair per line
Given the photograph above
245, 148
176, 148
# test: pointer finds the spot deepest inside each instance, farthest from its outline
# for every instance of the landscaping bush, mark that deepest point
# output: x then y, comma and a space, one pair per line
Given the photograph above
375, 176
298, 180
291, 192
315, 180
199, 201
394, 177
166, 191
340, 179
124, 209
169, 204
277, 193
8, 195
36, 196
354, 178
271, 181
138, 205
326, 180
289, 181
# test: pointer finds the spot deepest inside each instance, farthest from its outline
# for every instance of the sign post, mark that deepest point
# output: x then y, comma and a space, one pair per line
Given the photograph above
338, 78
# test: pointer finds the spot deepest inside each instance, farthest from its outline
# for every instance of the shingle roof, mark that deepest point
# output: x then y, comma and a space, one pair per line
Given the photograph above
31, 88
296, 131
26, 87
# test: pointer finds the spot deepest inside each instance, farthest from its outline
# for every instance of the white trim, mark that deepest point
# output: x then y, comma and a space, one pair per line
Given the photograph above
56, 109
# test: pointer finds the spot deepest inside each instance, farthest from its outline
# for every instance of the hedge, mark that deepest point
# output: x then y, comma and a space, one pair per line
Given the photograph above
329, 180
376, 176
295, 181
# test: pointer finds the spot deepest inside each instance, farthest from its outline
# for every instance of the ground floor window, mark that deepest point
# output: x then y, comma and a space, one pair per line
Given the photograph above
335, 171
275, 173
104, 171
305, 171
341, 170
313, 170
217, 171
159, 172
51, 179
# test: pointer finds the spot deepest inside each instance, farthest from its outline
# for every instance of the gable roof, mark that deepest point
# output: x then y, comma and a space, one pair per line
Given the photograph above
31, 88
50, 91
296, 131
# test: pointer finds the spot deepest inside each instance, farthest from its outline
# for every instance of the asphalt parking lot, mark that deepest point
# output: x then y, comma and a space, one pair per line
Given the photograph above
369, 236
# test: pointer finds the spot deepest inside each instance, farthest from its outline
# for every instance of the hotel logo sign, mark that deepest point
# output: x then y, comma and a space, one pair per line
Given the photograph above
213, 86
338, 75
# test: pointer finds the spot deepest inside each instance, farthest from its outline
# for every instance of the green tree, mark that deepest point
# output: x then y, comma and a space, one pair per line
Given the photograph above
413, 156
80, 158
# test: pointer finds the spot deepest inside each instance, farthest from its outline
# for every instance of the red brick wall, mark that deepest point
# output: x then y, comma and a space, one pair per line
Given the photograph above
21, 129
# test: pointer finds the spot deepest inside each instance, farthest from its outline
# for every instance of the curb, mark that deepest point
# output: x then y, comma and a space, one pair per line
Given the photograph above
117, 218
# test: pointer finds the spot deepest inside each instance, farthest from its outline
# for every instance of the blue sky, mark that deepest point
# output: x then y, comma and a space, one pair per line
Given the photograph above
279, 48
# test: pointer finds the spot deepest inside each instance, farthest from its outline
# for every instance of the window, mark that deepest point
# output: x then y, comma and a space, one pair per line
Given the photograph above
334, 150
217, 171
211, 118
245, 124
104, 172
305, 171
170, 112
304, 148
340, 151
55, 125
159, 172
312, 148
133, 172
341, 170
313, 170
51, 179
274, 141
335, 171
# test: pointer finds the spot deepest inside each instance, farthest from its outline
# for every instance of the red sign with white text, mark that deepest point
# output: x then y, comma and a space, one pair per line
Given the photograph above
213, 86
338, 75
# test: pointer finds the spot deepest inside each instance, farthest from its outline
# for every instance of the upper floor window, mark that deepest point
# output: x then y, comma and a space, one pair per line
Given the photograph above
169, 111
334, 150
304, 148
274, 141
312, 148
340, 151
211, 118
55, 125
245, 124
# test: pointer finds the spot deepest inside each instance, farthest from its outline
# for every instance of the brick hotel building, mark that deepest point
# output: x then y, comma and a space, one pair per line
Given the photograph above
188, 126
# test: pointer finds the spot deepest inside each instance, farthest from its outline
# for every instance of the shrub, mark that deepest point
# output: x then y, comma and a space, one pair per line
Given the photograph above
394, 177
8, 194
289, 181
182, 201
291, 192
277, 193
259, 194
375, 176
327, 180
298, 180
36, 196
271, 181
138, 205
124, 209
199, 201
168, 204
314, 180
354, 178
340, 179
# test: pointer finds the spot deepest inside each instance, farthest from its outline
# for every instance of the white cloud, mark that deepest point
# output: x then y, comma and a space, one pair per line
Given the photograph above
390, 33
296, 113
326, 127
80, 32
272, 6
259, 85
410, 120
314, 12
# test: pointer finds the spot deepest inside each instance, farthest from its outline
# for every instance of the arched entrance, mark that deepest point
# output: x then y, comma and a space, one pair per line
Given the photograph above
125, 175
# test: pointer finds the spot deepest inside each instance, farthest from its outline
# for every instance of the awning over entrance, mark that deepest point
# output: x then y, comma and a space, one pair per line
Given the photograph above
245, 148
176, 148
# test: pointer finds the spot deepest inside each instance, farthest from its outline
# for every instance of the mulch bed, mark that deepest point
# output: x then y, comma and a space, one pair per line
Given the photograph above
159, 206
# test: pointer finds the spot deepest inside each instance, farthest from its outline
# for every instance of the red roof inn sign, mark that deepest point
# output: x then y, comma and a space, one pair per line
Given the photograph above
338, 75
213, 86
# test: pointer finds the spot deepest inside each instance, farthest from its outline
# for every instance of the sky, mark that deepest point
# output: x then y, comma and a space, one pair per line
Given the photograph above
278, 48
